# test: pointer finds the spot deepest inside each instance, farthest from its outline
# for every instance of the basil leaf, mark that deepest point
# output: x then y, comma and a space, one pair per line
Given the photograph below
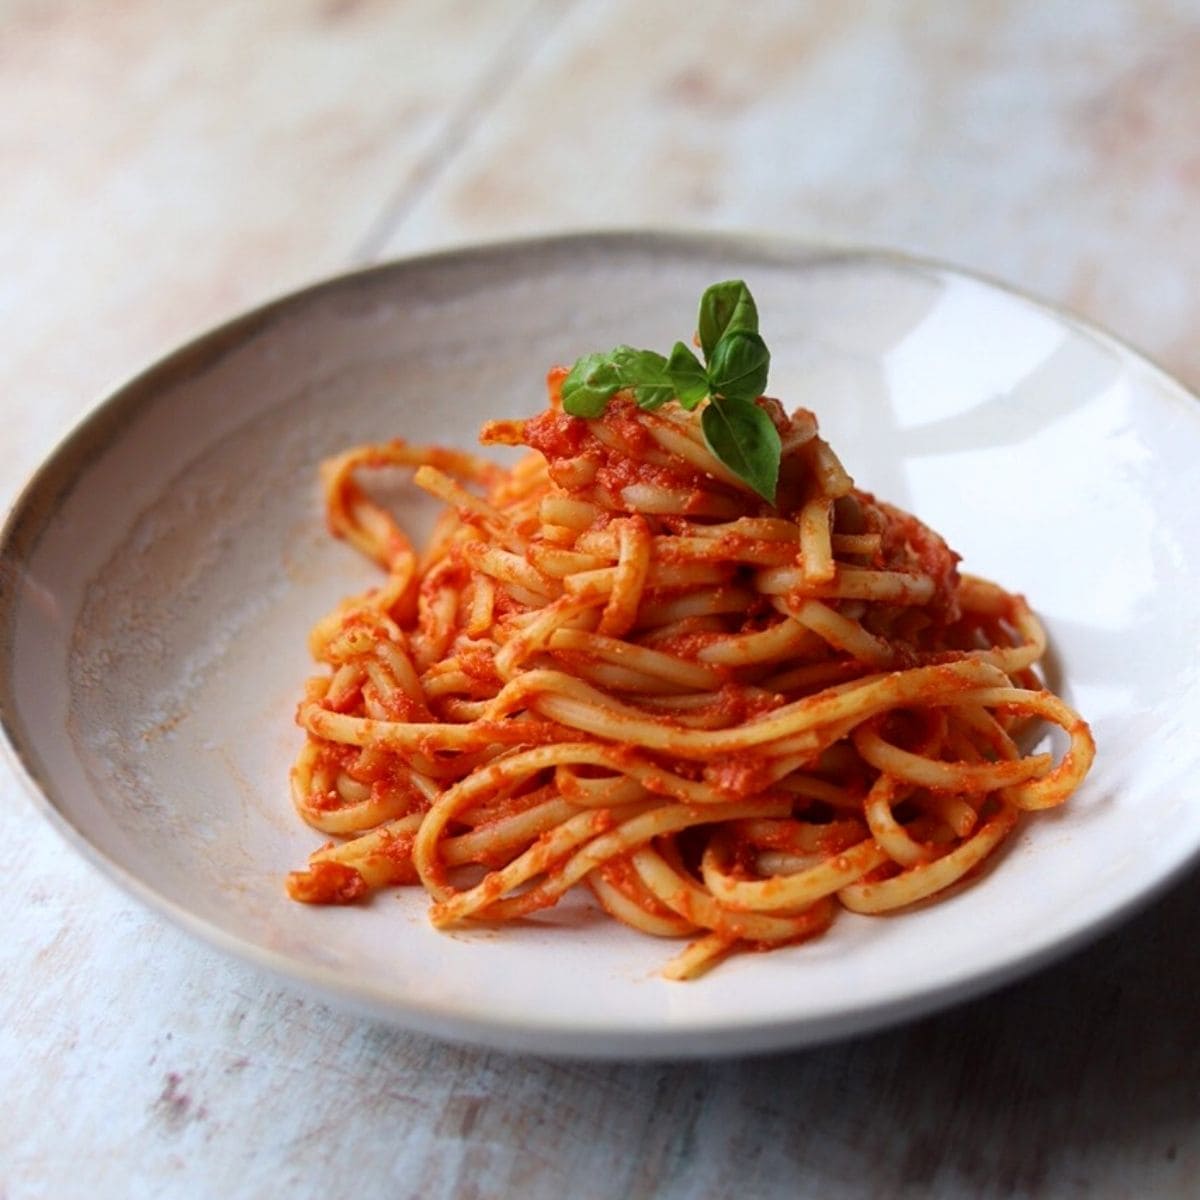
687, 376
596, 378
745, 439
589, 386
644, 373
738, 366
725, 308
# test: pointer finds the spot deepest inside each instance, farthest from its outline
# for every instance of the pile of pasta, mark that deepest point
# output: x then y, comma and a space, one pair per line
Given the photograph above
614, 666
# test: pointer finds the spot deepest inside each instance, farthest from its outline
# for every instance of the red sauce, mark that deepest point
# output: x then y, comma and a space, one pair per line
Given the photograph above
621, 416
561, 438
451, 571
620, 873
327, 883
505, 606
907, 543
396, 855
602, 821
557, 435
739, 775
478, 663
399, 707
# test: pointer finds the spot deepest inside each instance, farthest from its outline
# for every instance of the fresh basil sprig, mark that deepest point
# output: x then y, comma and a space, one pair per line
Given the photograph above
732, 376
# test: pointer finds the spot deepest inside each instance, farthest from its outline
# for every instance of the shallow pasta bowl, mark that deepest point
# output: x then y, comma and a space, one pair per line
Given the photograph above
163, 568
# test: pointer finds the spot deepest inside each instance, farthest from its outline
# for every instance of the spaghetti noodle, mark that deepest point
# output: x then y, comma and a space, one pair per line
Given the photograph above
616, 666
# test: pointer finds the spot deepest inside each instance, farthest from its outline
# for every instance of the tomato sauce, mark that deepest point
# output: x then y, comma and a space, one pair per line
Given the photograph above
327, 883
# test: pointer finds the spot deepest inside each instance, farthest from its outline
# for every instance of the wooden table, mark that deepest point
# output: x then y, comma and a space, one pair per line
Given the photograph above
165, 164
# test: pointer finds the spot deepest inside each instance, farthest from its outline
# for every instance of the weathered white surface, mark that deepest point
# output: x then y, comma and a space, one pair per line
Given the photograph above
164, 164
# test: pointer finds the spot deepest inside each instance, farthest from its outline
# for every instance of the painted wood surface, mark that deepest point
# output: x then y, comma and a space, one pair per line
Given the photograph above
166, 164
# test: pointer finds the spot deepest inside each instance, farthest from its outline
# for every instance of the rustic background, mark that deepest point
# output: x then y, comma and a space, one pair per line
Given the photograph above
167, 163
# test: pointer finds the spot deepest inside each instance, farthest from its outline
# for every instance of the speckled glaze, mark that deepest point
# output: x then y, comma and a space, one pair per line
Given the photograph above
162, 569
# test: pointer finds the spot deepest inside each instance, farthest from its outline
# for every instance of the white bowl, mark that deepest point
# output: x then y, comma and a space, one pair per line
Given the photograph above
162, 570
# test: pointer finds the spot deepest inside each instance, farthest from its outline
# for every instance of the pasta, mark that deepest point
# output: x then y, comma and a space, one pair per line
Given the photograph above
615, 666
